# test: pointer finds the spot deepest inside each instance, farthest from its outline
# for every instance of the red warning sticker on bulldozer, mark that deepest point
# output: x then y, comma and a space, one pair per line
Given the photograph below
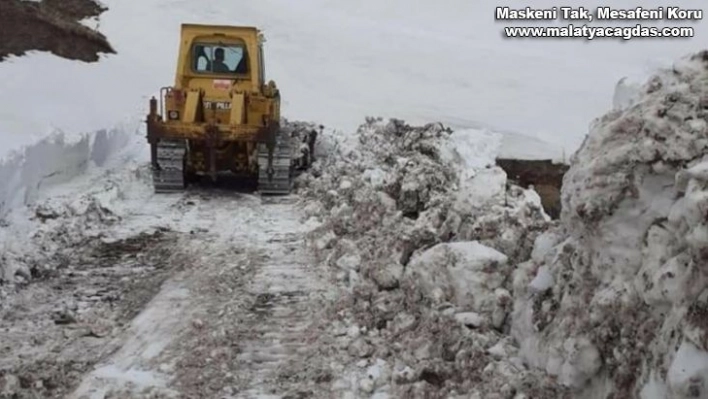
222, 84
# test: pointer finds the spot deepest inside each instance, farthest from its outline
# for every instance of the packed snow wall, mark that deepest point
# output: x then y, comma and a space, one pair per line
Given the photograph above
459, 284
54, 159
615, 304
422, 231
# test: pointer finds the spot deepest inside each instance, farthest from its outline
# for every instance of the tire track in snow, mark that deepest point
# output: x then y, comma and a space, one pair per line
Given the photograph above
242, 316
285, 287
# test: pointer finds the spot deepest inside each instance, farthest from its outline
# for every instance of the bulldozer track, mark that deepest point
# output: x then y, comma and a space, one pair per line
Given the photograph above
277, 181
169, 175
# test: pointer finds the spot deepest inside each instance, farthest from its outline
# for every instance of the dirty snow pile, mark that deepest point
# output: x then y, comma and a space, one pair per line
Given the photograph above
616, 304
460, 285
423, 231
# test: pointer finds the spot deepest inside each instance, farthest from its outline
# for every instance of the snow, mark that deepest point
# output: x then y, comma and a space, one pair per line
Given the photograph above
688, 371
472, 272
543, 280
337, 63
440, 258
55, 159
626, 93
653, 390
433, 249
115, 201
543, 245
149, 334
634, 237
616, 284
470, 319
471, 149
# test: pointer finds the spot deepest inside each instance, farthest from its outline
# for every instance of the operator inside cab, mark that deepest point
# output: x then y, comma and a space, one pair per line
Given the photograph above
219, 64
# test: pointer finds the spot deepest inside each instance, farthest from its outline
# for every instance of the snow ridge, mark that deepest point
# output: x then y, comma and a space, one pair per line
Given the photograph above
55, 159
420, 228
625, 314
460, 285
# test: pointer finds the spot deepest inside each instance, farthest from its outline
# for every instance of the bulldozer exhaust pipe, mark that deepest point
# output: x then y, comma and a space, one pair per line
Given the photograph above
153, 107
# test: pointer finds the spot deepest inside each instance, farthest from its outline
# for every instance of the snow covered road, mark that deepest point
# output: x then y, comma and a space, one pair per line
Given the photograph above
206, 293
230, 321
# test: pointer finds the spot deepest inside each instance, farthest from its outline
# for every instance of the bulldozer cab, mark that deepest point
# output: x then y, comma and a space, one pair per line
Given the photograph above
218, 58
220, 79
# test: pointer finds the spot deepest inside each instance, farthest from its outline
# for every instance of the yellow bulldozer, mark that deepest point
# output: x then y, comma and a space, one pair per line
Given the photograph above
221, 115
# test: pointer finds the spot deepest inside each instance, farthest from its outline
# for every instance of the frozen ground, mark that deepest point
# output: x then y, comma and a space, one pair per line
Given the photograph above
337, 63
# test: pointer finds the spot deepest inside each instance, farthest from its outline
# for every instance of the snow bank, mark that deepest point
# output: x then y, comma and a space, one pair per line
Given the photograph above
421, 230
623, 303
53, 160
626, 93
458, 282
55, 194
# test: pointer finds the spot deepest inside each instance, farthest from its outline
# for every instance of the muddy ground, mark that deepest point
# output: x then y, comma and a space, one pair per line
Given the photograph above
55, 329
53, 26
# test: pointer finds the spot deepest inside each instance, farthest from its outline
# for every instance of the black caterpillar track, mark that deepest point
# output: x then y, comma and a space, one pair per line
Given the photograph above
169, 176
277, 180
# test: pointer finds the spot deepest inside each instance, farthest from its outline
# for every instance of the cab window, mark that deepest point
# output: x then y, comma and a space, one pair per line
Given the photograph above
219, 59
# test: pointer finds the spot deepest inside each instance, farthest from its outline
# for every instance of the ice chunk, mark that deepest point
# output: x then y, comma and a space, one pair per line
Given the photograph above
543, 280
